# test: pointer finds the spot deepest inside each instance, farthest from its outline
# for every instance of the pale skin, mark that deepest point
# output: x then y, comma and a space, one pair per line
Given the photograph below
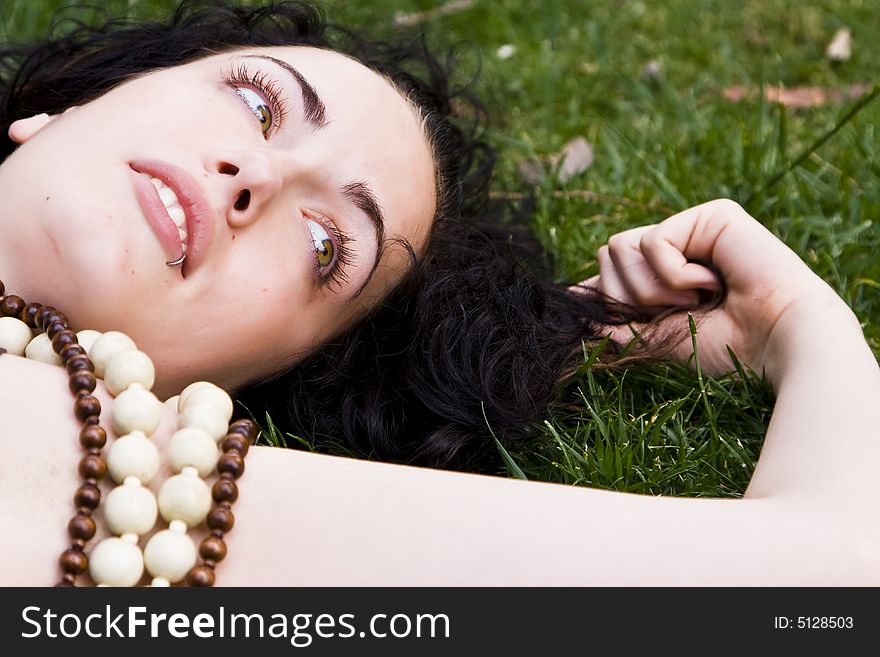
810, 512
809, 516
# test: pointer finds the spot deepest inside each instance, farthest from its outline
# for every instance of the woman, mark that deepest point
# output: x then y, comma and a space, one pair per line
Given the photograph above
329, 249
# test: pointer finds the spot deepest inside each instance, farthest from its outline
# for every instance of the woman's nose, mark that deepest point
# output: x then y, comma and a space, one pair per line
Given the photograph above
250, 180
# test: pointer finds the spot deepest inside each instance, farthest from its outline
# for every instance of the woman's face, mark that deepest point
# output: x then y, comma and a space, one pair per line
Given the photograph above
296, 172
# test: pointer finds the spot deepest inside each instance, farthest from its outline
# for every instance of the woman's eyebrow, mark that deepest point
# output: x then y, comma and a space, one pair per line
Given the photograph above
315, 110
361, 195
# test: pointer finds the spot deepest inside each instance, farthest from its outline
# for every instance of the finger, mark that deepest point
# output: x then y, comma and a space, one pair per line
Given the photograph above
594, 282
647, 289
609, 278
641, 282
689, 235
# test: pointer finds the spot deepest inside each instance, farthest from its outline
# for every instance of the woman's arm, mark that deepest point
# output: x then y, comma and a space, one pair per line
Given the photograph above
306, 519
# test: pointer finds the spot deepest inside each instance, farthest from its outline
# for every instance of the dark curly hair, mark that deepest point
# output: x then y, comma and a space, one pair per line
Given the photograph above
476, 336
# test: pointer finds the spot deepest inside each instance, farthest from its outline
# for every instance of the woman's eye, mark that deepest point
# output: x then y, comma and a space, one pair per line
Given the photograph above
324, 248
258, 106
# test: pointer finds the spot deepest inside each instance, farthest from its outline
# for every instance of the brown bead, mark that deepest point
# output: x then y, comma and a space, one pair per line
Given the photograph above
92, 436
88, 496
232, 463
52, 317
216, 533
220, 518
55, 328
79, 364
209, 563
92, 421
92, 467
224, 490
78, 544
81, 527
212, 548
71, 351
82, 381
86, 406
74, 562
200, 576
62, 339
29, 314
42, 313
236, 442
2, 289
11, 306
94, 451
245, 427
67, 579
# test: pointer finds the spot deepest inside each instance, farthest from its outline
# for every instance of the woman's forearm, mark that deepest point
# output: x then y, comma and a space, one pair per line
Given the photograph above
824, 435
308, 519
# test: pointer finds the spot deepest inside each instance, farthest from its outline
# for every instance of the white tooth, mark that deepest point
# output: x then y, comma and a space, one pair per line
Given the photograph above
158, 184
168, 197
183, 247
182, 233
177, 215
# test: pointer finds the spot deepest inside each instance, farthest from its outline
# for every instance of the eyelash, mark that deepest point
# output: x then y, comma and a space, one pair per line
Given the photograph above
336, 275
271, 90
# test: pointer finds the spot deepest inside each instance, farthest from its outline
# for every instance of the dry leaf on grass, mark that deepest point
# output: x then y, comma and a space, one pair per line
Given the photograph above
652, 71
403, 19
798, 97
506, 51
840, 48
574, 158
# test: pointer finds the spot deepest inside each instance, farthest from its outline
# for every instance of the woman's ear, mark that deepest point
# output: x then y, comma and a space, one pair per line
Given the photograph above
22, 130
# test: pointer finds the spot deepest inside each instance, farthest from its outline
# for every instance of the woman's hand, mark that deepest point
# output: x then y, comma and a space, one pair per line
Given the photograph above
653, 266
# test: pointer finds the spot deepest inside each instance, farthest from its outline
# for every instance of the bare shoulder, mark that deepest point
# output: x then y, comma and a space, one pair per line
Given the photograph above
39, 472
37, 394
29, 388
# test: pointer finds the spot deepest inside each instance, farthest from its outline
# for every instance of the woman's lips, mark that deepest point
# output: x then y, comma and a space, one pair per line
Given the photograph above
195, 206
157, 216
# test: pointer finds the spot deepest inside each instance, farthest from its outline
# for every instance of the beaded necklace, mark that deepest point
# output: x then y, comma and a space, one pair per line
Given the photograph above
43, 333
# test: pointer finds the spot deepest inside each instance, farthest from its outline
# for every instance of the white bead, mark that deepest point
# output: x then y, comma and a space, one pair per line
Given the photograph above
130, 508
169, 555
116, 562
129, 367
206, 417
185, 497
191, 388
40, 349
212, 395
193, 447
171, 402
86, 339
14, 335
136, 409
107, 346
160, 581
133, 455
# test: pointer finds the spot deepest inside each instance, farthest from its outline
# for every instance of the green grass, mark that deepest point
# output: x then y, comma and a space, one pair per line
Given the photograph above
660, 145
